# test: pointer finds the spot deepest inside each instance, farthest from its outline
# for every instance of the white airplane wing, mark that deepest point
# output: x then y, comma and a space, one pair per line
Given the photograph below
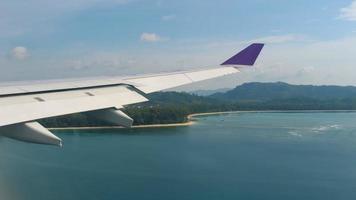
21, 104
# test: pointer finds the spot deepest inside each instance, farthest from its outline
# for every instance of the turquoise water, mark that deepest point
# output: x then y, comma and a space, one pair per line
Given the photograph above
233, 156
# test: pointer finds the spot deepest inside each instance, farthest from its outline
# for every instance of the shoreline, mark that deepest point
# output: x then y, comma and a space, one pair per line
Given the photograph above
191, 121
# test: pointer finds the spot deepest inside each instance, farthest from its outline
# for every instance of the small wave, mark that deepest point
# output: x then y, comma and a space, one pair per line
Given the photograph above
300, 132
324, 128
295, 133
336, 126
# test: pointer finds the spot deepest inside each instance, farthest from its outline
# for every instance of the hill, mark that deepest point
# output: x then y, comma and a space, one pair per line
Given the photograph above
268, 91
209, 92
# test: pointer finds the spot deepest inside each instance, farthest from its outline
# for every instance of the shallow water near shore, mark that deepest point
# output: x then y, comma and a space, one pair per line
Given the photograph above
229, 156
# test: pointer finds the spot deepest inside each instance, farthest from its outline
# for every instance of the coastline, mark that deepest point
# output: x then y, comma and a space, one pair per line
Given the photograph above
191, 121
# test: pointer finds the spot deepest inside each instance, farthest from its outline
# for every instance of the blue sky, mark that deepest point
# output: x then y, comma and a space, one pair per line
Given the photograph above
308, 42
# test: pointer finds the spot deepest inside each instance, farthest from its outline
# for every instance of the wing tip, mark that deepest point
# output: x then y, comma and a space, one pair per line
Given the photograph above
247, 56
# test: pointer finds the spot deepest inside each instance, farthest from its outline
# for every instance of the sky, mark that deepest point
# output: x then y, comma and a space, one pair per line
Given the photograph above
307, 42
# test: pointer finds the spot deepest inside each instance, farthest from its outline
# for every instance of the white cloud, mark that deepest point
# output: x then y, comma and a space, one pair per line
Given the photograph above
276, 39
349, 12
150, 37
168, 17
20, 53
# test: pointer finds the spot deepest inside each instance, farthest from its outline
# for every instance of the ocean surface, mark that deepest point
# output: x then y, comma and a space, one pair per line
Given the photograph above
231, 156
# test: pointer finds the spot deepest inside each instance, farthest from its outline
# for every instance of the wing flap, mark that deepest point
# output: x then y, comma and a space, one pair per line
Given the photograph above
33, 107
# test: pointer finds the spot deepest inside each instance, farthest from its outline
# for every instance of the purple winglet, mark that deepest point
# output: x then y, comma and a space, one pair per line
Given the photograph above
247, 56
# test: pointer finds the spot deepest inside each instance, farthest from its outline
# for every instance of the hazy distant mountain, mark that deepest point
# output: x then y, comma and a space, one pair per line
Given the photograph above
269, 91
209, 92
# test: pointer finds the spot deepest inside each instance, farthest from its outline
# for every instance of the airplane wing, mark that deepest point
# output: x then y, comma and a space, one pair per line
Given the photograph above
21, 104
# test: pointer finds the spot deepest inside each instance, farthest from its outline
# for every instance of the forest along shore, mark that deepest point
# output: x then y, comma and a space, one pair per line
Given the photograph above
190, 122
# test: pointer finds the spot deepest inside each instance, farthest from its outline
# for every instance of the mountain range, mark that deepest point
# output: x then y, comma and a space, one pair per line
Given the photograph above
268, 91
173, 107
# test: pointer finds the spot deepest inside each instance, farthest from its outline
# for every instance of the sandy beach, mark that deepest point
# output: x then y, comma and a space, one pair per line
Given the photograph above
120, 127
190, 122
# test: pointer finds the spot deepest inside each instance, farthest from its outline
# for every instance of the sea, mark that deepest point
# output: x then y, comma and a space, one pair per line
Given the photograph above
248, 155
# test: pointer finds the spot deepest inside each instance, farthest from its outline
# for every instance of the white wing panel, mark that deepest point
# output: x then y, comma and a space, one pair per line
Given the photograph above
156, 83
211, 73
45, 86
164, 81
10, 90
147, 83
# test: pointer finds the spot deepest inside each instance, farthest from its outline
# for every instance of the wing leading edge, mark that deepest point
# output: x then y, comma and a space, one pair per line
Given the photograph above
22, 104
